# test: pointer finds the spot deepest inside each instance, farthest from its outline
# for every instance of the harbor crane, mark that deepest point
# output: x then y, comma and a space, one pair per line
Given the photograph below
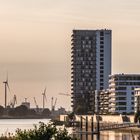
44, 98
25, 99
13, 102
53, 104
6, 86
65, 94
36, 103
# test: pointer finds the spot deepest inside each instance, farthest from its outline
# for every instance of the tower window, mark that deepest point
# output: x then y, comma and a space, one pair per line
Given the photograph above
101, 67
101, 55
101, 51
101, 80
101, 42
101, 38
101, 46
101, 71
101, 75
101, 33
101, 59
101, 63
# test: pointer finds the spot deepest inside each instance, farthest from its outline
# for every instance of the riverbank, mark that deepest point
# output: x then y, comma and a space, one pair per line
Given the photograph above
24, 117
11, 125
107, 120
40, 131
103, 118
128, 130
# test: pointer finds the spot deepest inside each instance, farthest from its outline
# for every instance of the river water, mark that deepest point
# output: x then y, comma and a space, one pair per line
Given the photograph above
10, 125
112, 135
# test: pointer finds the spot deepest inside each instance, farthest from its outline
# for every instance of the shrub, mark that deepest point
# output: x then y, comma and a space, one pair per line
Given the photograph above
42, 132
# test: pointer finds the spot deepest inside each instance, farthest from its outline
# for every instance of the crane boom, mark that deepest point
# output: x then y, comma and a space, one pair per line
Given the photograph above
52, 103
36, 103
55, 102
44, 98
65, 94
13, 102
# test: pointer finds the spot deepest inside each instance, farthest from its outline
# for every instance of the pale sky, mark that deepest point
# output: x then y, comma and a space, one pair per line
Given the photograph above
35, 38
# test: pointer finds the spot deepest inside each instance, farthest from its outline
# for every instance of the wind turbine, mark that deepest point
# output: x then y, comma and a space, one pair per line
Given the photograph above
44, 98
6, 86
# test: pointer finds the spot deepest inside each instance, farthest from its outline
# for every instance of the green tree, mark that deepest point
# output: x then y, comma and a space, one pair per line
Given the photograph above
71, 116
63, 135
136, 117
43, 132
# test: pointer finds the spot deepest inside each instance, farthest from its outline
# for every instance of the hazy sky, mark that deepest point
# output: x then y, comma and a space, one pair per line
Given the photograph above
35, 38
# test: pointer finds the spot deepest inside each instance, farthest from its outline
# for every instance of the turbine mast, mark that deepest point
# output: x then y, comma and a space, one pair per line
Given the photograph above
44, 98
5, 83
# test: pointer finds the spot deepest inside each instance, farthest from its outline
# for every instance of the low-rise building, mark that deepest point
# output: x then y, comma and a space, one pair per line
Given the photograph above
104, 102
137, 100
100, 102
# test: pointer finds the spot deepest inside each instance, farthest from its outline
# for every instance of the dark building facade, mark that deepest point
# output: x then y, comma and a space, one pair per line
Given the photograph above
91, 66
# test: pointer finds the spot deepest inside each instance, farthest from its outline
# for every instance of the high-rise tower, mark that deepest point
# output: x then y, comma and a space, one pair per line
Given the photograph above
91, 66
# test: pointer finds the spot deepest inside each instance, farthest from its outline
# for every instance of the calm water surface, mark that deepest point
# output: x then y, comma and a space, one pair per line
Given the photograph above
112, 135
10, 125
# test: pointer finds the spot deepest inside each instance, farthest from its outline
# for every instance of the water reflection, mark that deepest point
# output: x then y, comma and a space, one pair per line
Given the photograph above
111, 135
10, 125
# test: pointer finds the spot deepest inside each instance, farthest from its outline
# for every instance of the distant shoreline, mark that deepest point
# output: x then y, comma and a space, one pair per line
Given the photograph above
25, 117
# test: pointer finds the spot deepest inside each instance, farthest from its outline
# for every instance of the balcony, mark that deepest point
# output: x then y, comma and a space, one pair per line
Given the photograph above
72, 56
72, 97
72, 39
72, 51
72, 89
112, 101
72, 85
72, 43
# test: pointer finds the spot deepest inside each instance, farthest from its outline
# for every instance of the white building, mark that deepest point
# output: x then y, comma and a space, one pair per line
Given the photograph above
121, 92
91, 65
137, 100
103, 58
102, 101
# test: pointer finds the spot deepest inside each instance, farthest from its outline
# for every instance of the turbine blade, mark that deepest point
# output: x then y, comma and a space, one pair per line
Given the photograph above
45, 98
7, 77
8, 87
15, 98
45, 90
